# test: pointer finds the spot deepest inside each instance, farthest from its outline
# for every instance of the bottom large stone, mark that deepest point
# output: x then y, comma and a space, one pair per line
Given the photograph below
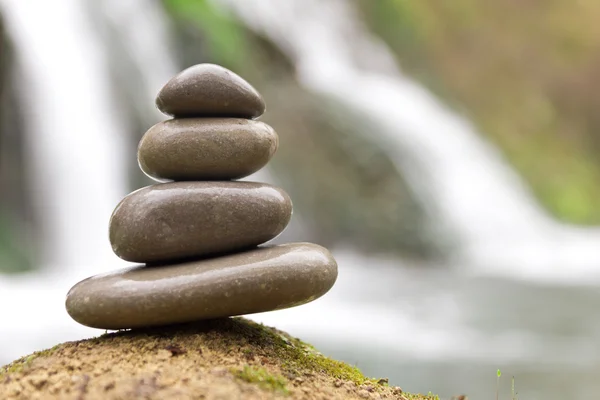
264, 279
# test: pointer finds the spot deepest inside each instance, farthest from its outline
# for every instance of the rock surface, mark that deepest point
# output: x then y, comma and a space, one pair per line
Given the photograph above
226, 359
259, 280
209, 90
206, 148
179, 220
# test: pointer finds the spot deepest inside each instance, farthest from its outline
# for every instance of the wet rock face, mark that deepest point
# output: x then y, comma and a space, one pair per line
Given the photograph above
199, 235
179, 220
206, 148
257, 280
209, 90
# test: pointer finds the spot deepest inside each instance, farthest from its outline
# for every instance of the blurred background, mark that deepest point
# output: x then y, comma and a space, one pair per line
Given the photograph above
446, 152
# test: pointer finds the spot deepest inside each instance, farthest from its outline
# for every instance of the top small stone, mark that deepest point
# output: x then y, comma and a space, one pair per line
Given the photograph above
208, 90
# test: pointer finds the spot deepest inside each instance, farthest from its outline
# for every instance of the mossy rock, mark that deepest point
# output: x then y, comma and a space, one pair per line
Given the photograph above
221, 359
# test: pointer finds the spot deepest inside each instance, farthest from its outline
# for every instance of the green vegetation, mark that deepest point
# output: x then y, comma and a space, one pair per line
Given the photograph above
261, 377
524, 72
23, 362
223, 37
498, 375
514, 394
13, 256
298, 358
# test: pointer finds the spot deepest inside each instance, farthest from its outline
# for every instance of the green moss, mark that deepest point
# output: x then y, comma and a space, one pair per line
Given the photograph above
261, 377
429, 396
23, 362
299, 358
296, 356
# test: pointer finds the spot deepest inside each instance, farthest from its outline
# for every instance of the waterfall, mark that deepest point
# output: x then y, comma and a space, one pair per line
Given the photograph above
466, 187
76, 147
66, 106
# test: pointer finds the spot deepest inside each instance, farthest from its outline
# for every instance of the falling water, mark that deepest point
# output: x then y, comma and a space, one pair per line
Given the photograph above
59, 65
76, 148
468, 190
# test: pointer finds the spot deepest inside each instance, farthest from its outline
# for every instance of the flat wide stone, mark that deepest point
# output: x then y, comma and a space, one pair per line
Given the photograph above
206, 148
177, 220
264, 279
209, 90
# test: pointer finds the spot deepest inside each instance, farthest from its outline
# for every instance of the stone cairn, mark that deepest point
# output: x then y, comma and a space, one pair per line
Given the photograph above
198, 232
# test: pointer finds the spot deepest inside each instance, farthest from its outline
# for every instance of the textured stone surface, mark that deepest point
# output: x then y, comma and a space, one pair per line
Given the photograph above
185, 219
258, 280
209, 90
206, 148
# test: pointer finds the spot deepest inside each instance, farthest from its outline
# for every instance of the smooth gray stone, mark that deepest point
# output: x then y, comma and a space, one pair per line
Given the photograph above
209, 90
264, 279
177, 220
206, 149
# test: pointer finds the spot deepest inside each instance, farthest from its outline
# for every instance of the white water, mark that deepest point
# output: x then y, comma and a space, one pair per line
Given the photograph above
468, 190
76, 146
66, 106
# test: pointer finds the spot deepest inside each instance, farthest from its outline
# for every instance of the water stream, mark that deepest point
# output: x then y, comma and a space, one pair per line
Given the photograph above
467, 188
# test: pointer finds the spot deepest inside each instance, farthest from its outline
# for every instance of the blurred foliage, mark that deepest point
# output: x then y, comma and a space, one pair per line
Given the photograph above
223, 37
14, 257
343, 184
526, 71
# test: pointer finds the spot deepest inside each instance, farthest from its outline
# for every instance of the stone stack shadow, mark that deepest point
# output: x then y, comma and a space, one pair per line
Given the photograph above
198, 232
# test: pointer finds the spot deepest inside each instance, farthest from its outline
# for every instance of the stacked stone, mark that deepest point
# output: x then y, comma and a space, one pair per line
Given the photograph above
199, 236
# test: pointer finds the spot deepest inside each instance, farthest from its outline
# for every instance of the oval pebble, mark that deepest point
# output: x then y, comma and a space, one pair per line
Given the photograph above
209, 90
178, 220
264, 279
206, 149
